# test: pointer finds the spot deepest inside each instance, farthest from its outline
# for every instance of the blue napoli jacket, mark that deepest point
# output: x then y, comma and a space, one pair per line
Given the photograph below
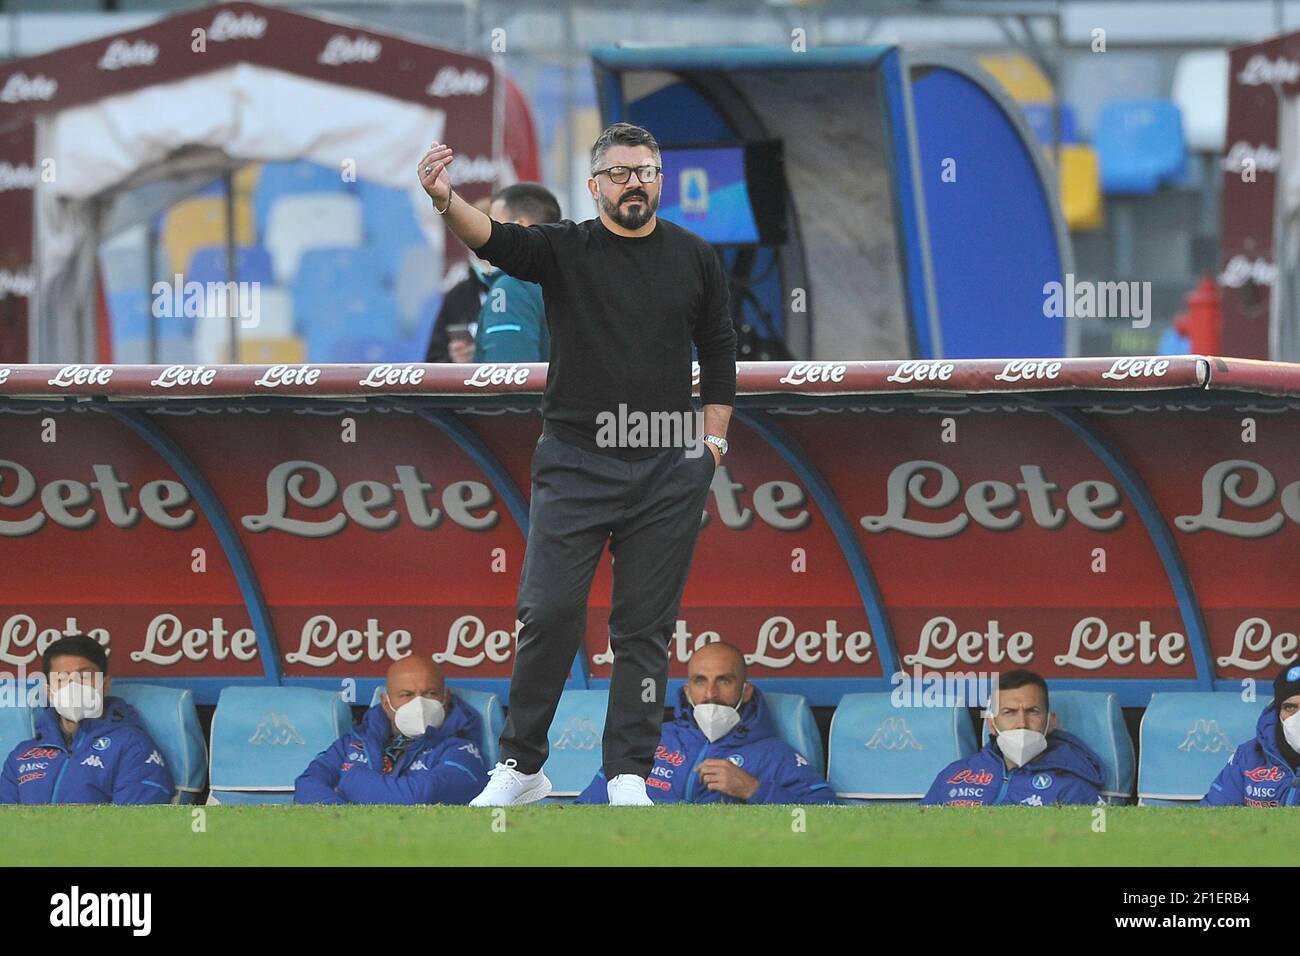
784, 776
1256, 775
442, 766
112, 759
1067, 772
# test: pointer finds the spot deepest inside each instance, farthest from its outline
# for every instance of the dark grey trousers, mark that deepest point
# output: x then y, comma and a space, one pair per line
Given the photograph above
649, 511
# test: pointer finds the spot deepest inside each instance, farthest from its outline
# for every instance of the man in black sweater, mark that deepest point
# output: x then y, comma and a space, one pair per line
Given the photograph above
626, 294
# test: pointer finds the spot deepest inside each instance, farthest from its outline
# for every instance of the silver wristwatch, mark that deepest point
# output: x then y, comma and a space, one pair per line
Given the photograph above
719, 441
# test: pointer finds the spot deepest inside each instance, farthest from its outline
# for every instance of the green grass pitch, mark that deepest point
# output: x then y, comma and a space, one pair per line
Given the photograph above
663, 836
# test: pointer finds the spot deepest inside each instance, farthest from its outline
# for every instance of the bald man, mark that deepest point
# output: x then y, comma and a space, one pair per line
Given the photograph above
722, 746
419, 744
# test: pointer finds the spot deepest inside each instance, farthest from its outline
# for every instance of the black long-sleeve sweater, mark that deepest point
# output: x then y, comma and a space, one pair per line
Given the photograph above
622, 312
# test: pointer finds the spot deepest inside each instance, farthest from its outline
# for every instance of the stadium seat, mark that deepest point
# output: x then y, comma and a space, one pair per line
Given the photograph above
310, 221
491, 714
1039, 118
1140, 146
361, 327
575, 739
252, 264
388, 218
1097, 720
1184, 742
286, 351
1200, 89
17, 723
1080, 184
280, 179
879, 752
201, 221
1019, 76
419, 277
331, 272
797, 727
173, 722
274, 319
264, 737
124, 261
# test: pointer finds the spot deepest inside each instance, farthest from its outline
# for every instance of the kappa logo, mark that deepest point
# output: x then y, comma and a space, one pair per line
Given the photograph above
1042, 781
1033, 800
275, 730
93, 761
1205, 737
578, 734
472, 749
980, 778
419, 765
1262, 774
103, 743
893, 734
156, 757
799, 760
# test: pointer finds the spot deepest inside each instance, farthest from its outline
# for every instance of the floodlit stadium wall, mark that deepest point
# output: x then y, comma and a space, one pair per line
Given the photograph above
1116, 524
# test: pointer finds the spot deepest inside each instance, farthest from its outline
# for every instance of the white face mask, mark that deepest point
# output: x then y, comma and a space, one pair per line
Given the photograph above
1021, 746
718, 720
418, 715
76, 702
1291, 730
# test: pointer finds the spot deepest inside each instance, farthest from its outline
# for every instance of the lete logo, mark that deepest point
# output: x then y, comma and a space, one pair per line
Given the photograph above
908, 372
1136, 368
380, 376
485, 375
1261, 774
174, 375
1024, 370
450, 81
340, 49
70, 375
806, 373
229, 26
122, 54
4, 375
21, 88
979, 778
278, 375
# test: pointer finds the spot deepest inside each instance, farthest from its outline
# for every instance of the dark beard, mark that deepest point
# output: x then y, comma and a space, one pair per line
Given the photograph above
628, 218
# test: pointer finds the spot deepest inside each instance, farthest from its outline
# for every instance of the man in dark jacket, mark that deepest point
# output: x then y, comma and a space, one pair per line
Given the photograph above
722, 746
1262, 772
419, 744
1026, 761
89, 747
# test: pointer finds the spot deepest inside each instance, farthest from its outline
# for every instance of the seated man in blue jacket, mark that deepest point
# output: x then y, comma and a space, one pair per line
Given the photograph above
721, 746
89, 747
1263, 772
419, 744
1026, 761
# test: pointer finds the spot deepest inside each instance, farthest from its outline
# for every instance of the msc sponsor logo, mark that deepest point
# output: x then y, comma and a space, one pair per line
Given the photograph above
34, 765
966, 792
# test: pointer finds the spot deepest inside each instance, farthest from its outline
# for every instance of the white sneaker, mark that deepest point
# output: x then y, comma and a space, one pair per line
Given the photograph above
628, 790
507, 787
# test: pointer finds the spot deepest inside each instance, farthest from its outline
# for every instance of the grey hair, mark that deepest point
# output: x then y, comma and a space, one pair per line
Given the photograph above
621, 134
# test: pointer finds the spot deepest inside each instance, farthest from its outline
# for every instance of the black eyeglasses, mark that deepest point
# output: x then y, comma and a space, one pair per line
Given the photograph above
621, 174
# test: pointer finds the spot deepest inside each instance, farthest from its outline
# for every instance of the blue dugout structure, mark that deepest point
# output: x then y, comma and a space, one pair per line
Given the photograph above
904, 209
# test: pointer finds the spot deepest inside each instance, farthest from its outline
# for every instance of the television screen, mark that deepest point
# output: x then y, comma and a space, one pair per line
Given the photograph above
705, 190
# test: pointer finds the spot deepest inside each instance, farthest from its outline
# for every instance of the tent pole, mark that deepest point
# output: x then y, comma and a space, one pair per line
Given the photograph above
232, 273
151, 263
